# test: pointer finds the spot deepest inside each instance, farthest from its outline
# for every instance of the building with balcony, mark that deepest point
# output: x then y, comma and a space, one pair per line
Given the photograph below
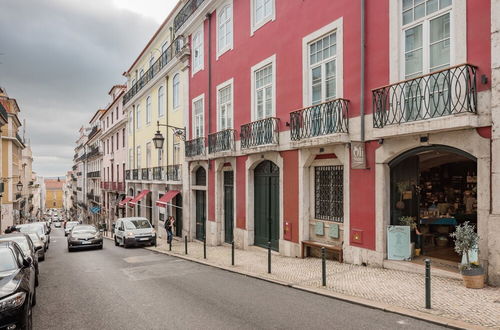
93, 165
79, 212
156, 102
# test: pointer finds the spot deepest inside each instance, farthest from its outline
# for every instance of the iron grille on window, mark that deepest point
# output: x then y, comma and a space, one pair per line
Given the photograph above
329, 192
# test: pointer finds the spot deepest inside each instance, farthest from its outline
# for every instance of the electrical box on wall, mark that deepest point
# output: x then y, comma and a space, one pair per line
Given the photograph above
287, 234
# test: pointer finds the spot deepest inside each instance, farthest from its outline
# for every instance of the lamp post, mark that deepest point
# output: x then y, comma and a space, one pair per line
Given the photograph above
158, 139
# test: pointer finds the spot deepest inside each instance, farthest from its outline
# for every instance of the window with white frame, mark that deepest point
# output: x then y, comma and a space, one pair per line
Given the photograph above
148, 155
176, 91
177, 153
322, 68
161, 101
138, 155
148, 110
264, 92
225, 106
138, 116
130, 158
151, 61
262, 12
225, 28
198, 118
164, 47
198, 50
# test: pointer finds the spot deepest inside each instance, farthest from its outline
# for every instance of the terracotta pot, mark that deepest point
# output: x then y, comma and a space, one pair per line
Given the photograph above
473, 278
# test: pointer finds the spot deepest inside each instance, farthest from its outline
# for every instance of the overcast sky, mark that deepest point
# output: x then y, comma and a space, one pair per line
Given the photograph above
59, 58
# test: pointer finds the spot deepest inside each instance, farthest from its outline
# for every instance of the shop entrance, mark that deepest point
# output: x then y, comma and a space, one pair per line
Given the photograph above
266, 204
436, 189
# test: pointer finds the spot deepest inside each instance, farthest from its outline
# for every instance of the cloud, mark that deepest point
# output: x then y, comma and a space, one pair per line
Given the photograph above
60, 58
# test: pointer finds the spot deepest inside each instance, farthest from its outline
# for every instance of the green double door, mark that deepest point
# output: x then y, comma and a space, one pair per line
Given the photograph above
266, 204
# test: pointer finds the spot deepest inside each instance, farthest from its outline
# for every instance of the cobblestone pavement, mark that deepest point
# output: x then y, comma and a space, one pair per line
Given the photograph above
450, 299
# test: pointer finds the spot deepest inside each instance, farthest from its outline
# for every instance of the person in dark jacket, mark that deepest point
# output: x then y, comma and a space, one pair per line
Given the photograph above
169, 227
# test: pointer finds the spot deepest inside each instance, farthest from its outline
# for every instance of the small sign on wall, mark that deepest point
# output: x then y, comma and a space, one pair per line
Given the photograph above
320, 228
398, 243
334, 231
358, 155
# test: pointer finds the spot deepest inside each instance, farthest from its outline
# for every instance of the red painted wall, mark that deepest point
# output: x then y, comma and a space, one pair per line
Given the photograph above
211, 191
479, 39
240, 192
291, 192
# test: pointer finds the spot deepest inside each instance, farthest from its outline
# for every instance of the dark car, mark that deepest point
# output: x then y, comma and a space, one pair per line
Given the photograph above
27, 247
17, 287
39, 246
84, 236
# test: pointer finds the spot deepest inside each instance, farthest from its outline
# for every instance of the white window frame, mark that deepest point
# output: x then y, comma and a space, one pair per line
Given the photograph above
223, 85
193, 119
229, 46
148, 111
254, 26
336, 26
458, 35
161, 103
176, 157
138, 155
164, 46
270, 60
149, 155
138, 116
131, 121
201, 65
176, 98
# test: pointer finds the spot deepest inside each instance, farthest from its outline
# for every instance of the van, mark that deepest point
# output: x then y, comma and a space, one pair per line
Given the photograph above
134, 231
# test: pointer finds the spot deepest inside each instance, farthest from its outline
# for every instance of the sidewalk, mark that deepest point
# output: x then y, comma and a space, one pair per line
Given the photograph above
395, 291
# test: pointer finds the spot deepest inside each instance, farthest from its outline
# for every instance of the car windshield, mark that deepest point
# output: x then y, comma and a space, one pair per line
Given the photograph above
84, 229
35, 238
7, 261
31, 229
20, 240
137, 224
71, 224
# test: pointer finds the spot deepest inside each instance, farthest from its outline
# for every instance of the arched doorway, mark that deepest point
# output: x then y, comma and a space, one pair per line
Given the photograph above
266, 204
177, 210
201, 203
435, 187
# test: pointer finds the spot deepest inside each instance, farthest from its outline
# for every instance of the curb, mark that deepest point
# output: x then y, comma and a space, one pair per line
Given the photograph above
435, 319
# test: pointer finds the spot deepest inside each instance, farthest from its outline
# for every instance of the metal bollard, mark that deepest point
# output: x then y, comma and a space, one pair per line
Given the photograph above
428, 283
269, 257
186, 244
232, 253
204, 247
323, 265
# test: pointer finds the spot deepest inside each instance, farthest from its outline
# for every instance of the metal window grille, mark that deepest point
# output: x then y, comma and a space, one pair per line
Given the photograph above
329, 192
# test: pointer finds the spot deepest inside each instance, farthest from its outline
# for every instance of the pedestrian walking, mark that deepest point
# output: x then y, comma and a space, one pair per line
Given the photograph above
169, 227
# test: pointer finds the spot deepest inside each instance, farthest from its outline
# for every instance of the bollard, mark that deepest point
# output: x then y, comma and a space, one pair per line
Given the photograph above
323, 265
186, 244
269, 257
232, 253
428, 283
204, 247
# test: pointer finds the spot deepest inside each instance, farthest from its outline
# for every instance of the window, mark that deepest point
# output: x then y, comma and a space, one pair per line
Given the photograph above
160, 157
111, 117
198, 50
130, 121
133, 82
117, 140
164, 47
138, 116
161, 101
262, 12
130, 158
198, 117
151, 62
141, 73
322, 68
107, 122
116, 111
263, 97
224, 29
148, 155
176, 91
123, 138
329, 193
112, 144
148, 110
138, 163
107, 146
225, 106
177, 153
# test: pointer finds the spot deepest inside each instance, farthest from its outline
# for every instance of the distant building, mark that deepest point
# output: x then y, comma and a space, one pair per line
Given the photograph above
54, 193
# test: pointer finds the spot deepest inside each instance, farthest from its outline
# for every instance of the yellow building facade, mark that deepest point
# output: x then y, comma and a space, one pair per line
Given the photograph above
54, 194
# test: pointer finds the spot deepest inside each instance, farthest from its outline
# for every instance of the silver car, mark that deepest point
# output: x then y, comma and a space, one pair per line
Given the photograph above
37, 241
36, 227
69, 226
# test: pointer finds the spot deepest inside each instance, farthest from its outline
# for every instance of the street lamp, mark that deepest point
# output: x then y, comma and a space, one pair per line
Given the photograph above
19, 186
159, 139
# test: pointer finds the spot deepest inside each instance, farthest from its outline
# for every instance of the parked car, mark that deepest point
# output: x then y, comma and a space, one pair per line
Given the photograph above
57, 224
84, 236
37, 242
17, 287
134, 231
26, 246
69, 226
35, 227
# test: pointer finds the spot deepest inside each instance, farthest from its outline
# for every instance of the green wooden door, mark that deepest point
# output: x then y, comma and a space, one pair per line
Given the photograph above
266, 205
228, 206
200, 213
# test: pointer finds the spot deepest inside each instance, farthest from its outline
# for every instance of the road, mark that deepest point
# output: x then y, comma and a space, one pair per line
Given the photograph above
117, 288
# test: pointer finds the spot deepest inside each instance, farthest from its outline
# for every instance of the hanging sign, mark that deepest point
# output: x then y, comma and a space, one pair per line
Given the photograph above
398, 243
358, 155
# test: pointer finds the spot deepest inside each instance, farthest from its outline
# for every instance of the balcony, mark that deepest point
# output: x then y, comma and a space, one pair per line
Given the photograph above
135, 174
105, 185
79, 188
319, 120
221, 141
93, 132
145, 174
78, 173
186, 12
165, 58
259, 133
446, 99
94, 174
195, 147
127, 175
120, 186
94, 152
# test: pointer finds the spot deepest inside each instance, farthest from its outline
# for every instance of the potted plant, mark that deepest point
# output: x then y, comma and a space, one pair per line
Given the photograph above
467, 239
412, 223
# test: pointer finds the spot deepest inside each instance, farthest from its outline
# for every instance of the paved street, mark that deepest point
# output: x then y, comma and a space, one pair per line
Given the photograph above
117, 288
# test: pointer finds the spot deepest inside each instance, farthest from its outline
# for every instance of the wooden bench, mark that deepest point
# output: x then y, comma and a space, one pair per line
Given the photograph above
333, 248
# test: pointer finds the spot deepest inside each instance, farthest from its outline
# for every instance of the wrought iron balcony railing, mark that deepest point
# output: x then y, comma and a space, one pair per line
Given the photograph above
446, 92
120, 186
320, 119
79, 188
94, 174
186, 12
174, 172
260, 132
135, 174
95, 151
127, 175
145, 174
195, 147
177, 45
221, 141
157, 173
93, 132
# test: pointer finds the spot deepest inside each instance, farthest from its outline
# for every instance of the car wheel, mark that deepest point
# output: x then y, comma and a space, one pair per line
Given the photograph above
33, 300
42, 258
116, 242
28, 321
69, 248
124, 244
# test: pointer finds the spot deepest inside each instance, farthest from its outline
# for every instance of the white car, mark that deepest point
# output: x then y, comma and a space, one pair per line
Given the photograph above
134, 231
69, 226
36, 227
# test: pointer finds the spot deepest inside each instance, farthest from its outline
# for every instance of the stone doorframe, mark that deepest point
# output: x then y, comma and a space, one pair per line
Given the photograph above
191, 216
216, 233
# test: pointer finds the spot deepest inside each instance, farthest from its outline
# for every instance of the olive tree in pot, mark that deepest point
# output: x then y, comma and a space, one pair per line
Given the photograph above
467, 239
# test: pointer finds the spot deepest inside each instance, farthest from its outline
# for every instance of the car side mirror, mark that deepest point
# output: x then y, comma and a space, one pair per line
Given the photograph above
27, 261
38, 247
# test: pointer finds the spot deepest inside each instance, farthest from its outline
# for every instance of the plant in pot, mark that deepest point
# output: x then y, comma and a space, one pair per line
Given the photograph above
467, 239
412, 223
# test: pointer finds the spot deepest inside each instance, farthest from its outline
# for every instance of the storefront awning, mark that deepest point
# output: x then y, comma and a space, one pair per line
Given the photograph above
137, 198
165, 199
124, 201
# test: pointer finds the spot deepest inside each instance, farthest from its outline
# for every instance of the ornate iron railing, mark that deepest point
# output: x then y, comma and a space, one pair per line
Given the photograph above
120, 186
195, 147
79, 188
94, 174
260, 132
145, 174
157, 173
320, 119
94, 151
93, 132
135, 174
221, 141
177, 45
186, 12
127, 175
174, 172
437, 94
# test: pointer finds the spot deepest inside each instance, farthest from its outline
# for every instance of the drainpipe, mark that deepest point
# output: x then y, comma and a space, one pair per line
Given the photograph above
362, 71
166, 120
209, 16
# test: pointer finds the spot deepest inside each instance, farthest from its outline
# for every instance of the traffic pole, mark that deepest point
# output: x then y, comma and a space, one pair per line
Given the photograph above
427, 283
323, 265
232, 253
186, 244
269, 257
